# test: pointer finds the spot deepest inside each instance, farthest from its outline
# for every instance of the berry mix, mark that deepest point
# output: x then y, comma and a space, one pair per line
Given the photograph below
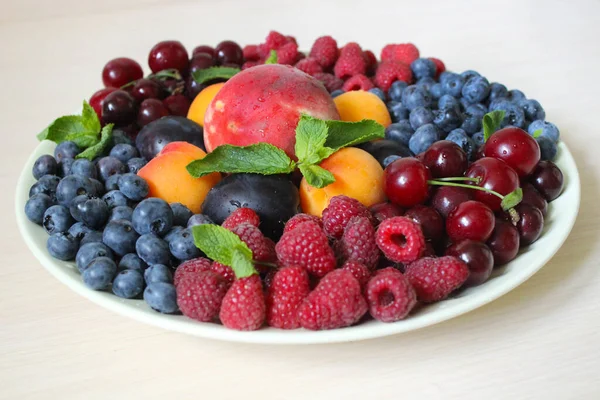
262, 186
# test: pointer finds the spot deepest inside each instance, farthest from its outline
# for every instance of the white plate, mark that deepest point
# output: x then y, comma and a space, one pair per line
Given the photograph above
559, 221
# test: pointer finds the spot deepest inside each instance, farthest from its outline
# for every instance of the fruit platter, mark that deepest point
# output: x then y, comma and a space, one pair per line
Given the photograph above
268, 195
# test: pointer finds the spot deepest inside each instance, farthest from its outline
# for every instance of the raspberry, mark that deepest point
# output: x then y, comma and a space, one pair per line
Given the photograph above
336, 302
192, 266
300, 218
262, 249
371, 61
251, 52
391, 71
241, 215
400, 239
243, 306
383, 211
225, 271
289, 287
325, 51
405, 53
351, 62
389, 295
359, 271
435, 278
300, 56
309, 65
306, 246
330, 81
358, 82
439, 66
339, 211
199, 296
250, 64
287, 53
358, 242
291, 39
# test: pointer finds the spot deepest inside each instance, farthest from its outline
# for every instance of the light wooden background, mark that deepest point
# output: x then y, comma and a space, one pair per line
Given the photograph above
540, 341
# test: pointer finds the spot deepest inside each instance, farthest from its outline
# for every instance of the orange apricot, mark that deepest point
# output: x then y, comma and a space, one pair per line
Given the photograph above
201, 102
357, 174
183, 147
357, 104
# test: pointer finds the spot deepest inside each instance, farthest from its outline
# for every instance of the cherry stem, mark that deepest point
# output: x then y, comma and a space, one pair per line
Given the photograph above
463, 185
475, 180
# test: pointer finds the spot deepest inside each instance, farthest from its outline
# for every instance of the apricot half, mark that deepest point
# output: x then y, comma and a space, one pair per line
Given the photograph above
357, 105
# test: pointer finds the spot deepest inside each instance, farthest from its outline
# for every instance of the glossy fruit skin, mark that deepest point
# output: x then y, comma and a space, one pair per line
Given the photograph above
201, 61
169, 54
386, 151
118, 107
157, 134
495, 175
430, 220
477, 256
98, 98
121, 71
405, 182
470, 220
531, 223
177, 104
533, 197
147, 89
151, 110
515, 147
504, 242
548, 179
445, 159
229, 52
204, 49
446, 198
274, 198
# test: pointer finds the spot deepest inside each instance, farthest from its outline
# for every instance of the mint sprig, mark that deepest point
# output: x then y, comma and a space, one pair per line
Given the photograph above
208, 74
491, 123
97, 149
272, 59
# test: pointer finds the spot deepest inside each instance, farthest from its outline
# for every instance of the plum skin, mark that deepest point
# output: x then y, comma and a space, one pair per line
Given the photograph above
157, 134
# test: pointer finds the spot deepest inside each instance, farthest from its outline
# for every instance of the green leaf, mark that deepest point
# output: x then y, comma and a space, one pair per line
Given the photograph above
43, 134
170, 73
67, 128
491, 123
512, 199
90, 119
537, 133
316, 176
260, 158
343, 134
208, 74
97, 149
272, 59
311, 134
224, 246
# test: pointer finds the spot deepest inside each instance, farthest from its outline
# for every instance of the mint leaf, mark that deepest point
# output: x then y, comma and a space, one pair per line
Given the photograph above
512, 199
272, 59
43, 134
311, 134
491, 123
537, 133
208, 74
90, 119
224, 246
260, 158
69, 125
97, 149
344, 134
316, 176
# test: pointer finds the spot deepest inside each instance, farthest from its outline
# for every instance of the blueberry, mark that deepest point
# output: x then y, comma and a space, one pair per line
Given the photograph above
420, 116
513, 114
158, 273
426, 83
84, 167
468, 74
99, 273
132, 261
162, 297
436, 90
336, 93
120, 136
478, 139
548, 148
108, 166
460, 137
47, 184
115, 198
152, 215
397, 111
516, 95
415, 96
181, 214
120, 212
448, 119
133, 187
98, 187
182, 246
423, 68
395, 91
44, 165
399, 132
64, 166
57, 219
476, 89
135, 164
448, 101
128, 284
92, 237
124, 152
453, 85
66, 149
78, 230
382, 150
62, 246
172, 233
549, 130
93, 212
120, 236
152, 249
379, 93
72, 186
77, 202
198, 219
36, 207
445, 76
90, 251
533, 110
112, 183
424, 137
497, 91
473, 117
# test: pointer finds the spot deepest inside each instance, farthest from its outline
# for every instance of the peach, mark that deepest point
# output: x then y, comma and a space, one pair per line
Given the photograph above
263, 104
169, 179
357, 174
357, 104
183, 147
201, 102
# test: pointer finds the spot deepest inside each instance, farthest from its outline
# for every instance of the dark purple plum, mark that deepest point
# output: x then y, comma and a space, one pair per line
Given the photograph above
157, 134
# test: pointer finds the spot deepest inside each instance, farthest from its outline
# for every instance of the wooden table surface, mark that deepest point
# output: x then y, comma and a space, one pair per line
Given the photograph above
538, 342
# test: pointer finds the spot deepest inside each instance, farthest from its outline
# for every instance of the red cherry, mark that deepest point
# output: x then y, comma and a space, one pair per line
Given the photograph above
531, 223
119, 108
147, 89
477, 256
98, 98
201, 61
446, 198
504, 242
548, 179
445, 159
515, 147
168, 54
533, 197
383, 211
494, 175
121, 71
470, 220
430, 220
228, 52
177, 104
204, 49
405, 182
151, 110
